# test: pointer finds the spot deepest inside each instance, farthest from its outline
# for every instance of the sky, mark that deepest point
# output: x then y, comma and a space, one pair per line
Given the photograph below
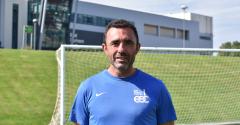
225, 13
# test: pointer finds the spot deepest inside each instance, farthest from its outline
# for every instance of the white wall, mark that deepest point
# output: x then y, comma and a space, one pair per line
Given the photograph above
1, 22
205, 23
6, 19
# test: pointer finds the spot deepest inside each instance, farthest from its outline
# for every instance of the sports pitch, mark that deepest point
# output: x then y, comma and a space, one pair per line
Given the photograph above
28, 85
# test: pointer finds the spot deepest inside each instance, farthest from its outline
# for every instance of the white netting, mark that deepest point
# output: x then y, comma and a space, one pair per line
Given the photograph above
204, 83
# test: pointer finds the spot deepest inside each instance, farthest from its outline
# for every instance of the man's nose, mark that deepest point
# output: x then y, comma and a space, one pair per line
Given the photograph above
121, 47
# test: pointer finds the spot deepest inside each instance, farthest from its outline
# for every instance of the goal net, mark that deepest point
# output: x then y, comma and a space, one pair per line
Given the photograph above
204, 83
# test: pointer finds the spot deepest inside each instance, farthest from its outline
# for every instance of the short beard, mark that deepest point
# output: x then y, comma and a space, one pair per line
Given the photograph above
124, 67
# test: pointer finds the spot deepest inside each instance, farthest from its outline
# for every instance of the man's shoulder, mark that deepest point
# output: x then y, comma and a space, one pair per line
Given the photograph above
96, 77
150, 79
148, 76
93, 79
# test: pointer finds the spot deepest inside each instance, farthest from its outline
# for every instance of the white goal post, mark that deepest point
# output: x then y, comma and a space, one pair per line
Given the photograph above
204, 83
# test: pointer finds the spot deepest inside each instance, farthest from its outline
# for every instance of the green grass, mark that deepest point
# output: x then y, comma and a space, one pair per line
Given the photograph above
28, 85
203, 88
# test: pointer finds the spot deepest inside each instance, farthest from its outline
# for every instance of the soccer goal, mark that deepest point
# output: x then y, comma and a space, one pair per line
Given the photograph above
204, 83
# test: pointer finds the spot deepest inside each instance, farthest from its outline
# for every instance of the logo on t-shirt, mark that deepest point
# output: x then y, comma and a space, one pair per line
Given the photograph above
140, 96
99, 94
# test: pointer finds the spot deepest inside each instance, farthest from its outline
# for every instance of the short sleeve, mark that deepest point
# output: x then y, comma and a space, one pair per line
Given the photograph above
79, 112
166, 111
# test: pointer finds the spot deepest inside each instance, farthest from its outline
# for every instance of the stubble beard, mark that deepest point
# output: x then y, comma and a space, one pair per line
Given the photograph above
123, 66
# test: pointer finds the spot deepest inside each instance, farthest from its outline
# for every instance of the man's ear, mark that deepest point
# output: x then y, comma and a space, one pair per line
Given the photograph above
104, 46
138, 47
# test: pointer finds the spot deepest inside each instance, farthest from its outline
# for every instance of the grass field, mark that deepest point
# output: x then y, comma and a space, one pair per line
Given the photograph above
203, 88
28, 85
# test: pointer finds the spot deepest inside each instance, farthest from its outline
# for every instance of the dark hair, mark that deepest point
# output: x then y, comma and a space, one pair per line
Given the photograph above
120, 23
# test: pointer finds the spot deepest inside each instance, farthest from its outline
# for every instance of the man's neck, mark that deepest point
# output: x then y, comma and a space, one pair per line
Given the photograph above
121, 74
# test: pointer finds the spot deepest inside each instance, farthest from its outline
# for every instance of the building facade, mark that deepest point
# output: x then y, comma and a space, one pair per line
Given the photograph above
13, 16
78, 22
89, 20
47, 19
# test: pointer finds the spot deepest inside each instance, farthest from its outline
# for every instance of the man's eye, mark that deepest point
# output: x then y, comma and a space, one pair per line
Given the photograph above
129, 42
115, 43
125, 43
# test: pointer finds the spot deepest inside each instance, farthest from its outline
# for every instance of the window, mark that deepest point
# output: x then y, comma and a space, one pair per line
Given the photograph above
15, 26
92, 20
79, 18
86, 19
72, 16
167, 32
100, 21
180, 34
205, 37
151, 29
107, 21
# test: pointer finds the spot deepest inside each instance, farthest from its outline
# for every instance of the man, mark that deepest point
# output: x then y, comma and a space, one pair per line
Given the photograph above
122, 94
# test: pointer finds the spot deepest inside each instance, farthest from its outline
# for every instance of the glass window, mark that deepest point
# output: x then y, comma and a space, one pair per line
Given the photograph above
15, 10
100, 21
56, 24
89, 20
107, 21
180, 34
80, 18
167, 32
92, 20
72, 16
186, 35
205, 37
151, 29
86, 19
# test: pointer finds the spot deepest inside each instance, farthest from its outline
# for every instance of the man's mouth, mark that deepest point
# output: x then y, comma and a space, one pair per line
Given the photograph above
121, 58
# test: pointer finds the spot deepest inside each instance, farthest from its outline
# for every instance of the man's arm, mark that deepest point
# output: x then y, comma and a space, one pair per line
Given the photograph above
168, 123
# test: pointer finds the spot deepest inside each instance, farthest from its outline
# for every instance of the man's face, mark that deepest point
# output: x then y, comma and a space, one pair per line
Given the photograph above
121, 48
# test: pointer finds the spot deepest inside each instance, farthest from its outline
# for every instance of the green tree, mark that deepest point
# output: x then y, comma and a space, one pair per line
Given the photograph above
236, 45
230, 45
226, 45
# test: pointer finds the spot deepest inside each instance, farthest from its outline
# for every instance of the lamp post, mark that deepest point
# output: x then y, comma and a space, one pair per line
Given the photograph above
184, 8
34, 33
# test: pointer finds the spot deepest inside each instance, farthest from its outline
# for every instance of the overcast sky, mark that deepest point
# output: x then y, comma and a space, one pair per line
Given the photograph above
225, 13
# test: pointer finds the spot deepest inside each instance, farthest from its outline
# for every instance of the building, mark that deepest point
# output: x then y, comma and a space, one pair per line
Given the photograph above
90, 19
78, 22
49, 31
12, 20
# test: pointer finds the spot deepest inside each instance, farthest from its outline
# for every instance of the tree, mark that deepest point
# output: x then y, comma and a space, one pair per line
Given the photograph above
236, 45
226, 45
230, 45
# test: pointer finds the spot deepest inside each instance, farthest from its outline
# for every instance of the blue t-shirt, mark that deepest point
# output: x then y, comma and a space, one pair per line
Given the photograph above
139, 99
